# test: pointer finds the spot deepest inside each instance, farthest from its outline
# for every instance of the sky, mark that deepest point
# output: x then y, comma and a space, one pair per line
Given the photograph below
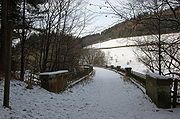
102, 17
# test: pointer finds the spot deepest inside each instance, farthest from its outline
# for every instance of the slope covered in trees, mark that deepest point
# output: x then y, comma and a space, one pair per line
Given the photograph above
143, 24
47, 33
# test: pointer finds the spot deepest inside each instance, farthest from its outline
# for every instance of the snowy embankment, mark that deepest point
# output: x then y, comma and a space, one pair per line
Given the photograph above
125, 56
106, 96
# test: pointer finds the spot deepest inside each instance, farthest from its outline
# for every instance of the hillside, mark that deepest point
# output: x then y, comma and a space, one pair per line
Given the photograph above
144, 24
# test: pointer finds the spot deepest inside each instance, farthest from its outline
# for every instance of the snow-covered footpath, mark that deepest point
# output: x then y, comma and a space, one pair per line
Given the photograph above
105, 96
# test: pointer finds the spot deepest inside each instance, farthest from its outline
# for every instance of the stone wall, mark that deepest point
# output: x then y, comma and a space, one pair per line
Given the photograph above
159, 90
54, 82
60, 80
157, 87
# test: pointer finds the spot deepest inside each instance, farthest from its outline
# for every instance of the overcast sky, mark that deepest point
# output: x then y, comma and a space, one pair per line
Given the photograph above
102, 18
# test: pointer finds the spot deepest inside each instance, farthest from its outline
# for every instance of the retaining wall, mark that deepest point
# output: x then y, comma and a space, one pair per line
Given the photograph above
59, 81
157, 87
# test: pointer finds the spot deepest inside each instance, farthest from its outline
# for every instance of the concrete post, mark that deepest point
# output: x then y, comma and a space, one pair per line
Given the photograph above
118, 68
54, 83
112, 66
128, 71
159, 90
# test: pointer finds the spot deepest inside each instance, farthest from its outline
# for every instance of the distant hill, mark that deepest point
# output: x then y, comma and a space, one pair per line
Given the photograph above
144, 24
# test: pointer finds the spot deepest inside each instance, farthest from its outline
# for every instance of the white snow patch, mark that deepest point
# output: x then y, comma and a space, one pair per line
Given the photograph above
54, 73
126, 55
106, 96
157, 76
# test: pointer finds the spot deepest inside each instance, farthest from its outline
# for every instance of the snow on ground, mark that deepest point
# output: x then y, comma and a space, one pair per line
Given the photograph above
106, 96
126, 56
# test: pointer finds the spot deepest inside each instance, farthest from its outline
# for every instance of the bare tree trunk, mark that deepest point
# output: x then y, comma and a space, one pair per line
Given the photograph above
159, 46
22, 43
41, 54
6, 37
46, 50
1, 51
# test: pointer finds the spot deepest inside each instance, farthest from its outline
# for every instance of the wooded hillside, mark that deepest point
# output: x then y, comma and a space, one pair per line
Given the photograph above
143, 24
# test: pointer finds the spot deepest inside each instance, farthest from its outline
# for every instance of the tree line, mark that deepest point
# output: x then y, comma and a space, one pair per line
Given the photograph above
45, 34
163, 56
133, 25
151, 17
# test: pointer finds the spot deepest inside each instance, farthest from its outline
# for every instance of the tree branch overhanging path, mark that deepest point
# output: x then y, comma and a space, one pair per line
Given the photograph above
154, 15
49, 33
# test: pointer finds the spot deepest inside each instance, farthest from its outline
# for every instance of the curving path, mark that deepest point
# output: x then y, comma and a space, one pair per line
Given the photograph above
106, 96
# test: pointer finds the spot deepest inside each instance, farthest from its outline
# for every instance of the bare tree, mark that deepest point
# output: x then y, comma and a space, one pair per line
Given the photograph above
94, 57
7, 27
156, 21
63, 17
23, 41
169, 54
157, 17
